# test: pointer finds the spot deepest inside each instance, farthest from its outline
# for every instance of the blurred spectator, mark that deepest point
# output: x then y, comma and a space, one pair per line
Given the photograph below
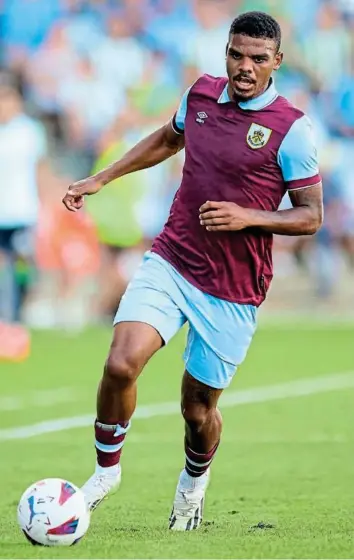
342, 105
346, 8
25, 24
173, 19
22, 146
88, 105
84, 22
205, 48
303, 14
118, 59
327, 48
52, 65
68, 260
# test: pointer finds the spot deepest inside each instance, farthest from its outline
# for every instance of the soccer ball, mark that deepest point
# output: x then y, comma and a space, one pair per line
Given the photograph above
53, 512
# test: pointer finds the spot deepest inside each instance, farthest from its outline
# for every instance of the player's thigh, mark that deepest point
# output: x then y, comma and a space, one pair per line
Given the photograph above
132, 347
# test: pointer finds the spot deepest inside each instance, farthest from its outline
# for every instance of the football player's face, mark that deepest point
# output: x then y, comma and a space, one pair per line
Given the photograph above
250, 63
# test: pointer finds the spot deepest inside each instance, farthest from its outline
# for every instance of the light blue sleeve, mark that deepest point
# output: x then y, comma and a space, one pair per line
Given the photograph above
297, 156
180, 116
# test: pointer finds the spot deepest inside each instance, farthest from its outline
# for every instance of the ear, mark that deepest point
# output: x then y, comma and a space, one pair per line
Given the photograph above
278, 60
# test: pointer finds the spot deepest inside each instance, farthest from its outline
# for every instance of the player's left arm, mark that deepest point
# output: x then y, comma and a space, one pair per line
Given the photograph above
297, 159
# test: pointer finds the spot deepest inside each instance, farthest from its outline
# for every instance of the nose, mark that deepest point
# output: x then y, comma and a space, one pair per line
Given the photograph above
246, 65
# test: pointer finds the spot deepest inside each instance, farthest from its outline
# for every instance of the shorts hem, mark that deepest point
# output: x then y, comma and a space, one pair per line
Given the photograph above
165, 338
207, 382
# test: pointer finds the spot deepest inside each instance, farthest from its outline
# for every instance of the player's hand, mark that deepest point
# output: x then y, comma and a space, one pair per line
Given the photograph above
74, 198
224, 216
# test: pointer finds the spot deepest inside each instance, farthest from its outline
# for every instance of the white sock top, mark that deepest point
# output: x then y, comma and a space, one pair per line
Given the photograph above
112, 471
188, 482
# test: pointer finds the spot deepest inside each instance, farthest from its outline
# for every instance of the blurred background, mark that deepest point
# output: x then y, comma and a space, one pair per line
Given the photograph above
82, 81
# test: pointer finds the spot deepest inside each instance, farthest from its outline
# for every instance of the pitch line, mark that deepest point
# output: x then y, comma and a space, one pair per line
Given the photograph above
290, 389
44, 398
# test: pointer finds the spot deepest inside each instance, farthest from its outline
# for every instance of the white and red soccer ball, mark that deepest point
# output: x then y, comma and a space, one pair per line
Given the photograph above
53, 512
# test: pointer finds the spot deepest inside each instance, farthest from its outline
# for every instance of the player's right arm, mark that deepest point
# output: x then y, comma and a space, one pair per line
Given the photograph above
152, 150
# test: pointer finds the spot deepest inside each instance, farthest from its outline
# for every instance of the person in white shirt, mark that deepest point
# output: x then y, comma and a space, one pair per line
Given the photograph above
22, 146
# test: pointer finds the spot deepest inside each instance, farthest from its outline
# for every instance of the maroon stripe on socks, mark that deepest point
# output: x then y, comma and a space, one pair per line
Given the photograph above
106, 436
198, 463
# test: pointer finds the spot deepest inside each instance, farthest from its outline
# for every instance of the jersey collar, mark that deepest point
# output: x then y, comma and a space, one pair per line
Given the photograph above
256, 104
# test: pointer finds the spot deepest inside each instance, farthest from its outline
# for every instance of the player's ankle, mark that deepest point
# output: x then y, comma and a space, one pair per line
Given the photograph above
113, 470
188, 482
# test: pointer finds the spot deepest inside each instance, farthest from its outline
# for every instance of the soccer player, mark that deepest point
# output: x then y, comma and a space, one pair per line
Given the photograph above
245, 147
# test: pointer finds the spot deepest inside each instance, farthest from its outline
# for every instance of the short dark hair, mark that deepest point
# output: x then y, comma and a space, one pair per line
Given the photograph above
257, 24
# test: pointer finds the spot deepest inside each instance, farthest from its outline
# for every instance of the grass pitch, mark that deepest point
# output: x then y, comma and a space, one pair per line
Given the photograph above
282, 483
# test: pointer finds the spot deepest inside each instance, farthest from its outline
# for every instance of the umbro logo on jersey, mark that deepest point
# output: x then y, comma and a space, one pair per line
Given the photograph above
201, 116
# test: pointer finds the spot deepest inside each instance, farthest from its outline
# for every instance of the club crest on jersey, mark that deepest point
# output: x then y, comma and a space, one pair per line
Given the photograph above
258, 136
201, 116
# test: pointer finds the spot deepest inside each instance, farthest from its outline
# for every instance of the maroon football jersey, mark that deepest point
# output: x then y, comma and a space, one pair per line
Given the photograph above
231, 154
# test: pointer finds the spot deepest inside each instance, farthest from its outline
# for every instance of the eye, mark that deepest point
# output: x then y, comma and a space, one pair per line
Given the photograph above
235, 55
259, 59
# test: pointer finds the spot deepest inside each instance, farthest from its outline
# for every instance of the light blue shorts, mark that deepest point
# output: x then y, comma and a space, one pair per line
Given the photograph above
219, 334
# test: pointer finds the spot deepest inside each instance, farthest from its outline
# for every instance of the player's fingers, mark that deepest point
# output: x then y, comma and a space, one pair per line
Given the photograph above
76, 191
79, 203
211, 214
73, 203
215, 221
209, 205
221, 227
68, 203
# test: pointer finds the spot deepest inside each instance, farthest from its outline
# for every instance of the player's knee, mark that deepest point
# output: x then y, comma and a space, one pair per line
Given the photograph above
122, 368
196, 415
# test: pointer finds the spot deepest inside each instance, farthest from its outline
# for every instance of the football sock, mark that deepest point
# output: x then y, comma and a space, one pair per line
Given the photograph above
112, 471
188, 482
109, 444
198, 463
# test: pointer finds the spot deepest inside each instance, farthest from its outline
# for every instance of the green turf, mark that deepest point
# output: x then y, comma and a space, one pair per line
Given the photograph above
287, 463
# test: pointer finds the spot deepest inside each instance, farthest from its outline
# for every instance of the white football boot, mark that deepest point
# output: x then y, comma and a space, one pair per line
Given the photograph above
99, 486
187, 511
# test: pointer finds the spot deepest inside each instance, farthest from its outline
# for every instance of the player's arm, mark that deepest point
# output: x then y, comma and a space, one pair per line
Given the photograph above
297, 159
155, 148
152, 150
305, 218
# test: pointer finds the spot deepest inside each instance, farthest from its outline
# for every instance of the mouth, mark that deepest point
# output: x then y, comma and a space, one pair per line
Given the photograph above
243, 84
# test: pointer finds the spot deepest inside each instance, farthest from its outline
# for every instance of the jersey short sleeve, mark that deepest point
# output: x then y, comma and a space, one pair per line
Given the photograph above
179, 117
297, 156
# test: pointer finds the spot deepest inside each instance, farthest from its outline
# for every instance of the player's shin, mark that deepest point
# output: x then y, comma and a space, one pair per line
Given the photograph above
202, 440
115, 406
109, 441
